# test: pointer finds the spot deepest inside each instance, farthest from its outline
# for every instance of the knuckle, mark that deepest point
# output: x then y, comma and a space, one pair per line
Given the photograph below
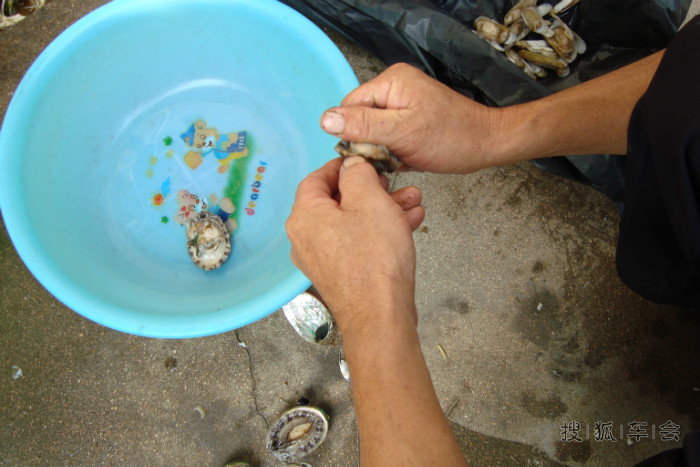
295, 258
404, 68
302, 186
291, 226
401, 66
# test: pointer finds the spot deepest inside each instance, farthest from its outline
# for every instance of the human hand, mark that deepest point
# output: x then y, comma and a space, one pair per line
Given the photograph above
354, 241
425, 123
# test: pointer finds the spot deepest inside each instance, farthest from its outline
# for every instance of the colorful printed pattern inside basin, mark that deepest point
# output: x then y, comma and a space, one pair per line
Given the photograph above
182, 161
231, 151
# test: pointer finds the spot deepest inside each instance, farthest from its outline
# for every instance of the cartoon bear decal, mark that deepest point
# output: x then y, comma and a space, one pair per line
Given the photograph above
205, 140
189, 205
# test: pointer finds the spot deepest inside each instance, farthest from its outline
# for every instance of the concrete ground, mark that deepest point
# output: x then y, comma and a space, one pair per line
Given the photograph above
525, 326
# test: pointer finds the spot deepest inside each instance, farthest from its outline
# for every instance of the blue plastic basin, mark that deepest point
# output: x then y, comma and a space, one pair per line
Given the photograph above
99, 146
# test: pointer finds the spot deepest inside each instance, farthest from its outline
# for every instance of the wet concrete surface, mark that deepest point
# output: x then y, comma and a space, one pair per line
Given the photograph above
532, 341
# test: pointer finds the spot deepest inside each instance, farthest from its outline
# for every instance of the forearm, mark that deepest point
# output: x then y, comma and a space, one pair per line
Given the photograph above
399, 417
590, 118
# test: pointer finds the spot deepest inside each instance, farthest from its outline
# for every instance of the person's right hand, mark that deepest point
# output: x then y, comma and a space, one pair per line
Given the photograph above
354, 241
425, 123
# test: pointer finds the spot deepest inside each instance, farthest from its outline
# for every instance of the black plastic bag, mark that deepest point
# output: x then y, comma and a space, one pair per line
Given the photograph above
436, 36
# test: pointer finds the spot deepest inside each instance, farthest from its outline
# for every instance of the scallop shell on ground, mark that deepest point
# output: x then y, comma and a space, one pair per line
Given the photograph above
297, 433
312, 319
208, 241
14, 11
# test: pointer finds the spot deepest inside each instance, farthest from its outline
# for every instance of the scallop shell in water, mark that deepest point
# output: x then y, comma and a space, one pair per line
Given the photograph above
208, 241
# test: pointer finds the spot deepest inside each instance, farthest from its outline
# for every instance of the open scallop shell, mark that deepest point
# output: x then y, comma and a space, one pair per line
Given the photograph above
208, 241
298, 432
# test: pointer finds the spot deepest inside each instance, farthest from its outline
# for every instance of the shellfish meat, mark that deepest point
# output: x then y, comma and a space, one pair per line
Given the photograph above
208, 241
376, 154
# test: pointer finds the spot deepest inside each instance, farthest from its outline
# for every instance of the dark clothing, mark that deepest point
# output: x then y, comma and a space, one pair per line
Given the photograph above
658, 253
687, 456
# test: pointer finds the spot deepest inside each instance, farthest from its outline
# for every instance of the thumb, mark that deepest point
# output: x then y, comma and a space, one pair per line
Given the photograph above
358, 180
361, 123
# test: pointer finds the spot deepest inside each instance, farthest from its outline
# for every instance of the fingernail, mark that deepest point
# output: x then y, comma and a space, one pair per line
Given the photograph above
333, 123
350, 161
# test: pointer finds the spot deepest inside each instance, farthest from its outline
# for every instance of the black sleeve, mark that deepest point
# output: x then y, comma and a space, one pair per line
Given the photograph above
658, 253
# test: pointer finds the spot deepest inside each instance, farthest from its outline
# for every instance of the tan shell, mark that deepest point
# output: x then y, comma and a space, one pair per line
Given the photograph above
543, 60
515, 13
520, 63
491, 30
560, 46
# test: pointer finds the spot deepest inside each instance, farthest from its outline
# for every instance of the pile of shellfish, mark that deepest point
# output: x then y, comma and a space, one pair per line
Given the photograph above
554, 46
14, 11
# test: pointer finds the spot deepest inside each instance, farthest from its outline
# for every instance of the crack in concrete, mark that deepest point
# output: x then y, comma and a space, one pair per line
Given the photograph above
254, 389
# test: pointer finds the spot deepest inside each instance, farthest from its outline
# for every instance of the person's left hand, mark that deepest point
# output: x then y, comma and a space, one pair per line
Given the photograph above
354, 241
